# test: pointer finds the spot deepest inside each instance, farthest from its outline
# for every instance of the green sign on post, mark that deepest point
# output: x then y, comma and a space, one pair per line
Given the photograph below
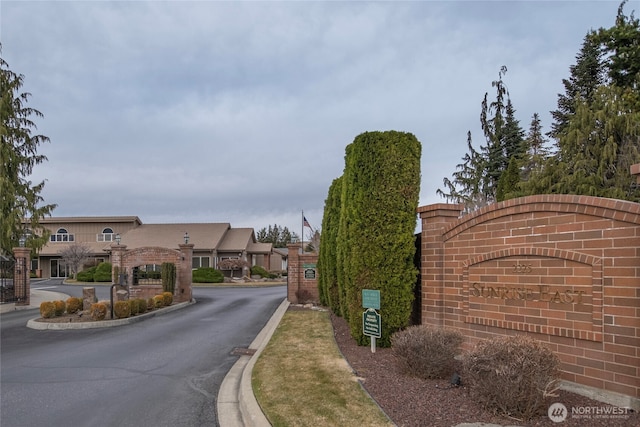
371, 323
371, 299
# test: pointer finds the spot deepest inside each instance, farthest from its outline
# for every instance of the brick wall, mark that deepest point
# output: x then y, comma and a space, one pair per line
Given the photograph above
563, 269
302, 276
126, 260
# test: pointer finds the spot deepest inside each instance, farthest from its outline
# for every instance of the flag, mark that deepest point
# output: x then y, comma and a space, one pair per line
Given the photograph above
305, 223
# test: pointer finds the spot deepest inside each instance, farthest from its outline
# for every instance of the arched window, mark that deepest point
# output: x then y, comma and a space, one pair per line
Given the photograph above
62, 235
107, 235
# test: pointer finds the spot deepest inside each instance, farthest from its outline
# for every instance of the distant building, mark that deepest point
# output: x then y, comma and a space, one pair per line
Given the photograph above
213, 242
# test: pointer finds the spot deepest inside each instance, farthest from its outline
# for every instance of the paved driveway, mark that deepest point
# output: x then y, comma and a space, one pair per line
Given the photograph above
164, 371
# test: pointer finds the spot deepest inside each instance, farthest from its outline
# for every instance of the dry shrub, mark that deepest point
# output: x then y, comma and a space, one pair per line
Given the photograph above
47, 309
60, 307
511, 375
122, 309
426, 352
168, 298
98, 311
142, 305
158, 301
151, 304
134, 307
74, 305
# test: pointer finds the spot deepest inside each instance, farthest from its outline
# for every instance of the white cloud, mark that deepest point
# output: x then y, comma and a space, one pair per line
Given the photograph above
240, 111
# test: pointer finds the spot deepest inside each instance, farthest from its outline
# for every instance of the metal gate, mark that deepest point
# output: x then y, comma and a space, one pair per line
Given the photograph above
13, 280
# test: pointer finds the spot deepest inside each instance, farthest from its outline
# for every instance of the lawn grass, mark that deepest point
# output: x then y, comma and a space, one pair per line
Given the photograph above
301, 379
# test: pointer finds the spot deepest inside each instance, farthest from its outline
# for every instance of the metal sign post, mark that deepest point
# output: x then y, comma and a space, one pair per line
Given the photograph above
371, 321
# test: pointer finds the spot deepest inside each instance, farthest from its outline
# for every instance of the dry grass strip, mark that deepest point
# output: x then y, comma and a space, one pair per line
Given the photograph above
301, 379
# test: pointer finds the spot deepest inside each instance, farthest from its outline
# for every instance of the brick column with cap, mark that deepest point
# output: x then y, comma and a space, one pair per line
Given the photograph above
22, 277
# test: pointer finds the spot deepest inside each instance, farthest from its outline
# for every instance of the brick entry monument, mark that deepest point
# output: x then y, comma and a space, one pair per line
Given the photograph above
562, 269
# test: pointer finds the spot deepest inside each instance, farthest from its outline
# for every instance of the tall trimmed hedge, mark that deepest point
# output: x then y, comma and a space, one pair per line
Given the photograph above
328, 278
379, 200
168, 275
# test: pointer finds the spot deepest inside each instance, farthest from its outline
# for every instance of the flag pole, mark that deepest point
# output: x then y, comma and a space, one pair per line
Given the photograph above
302, 235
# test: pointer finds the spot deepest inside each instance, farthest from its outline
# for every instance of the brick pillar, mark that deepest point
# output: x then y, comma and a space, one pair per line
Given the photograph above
22, 277
293, 272
183, 290
117, 252
434, 220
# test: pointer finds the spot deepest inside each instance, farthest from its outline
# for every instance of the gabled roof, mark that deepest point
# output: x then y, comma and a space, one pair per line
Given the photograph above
90, 219
203, 236
53, 249
259, 248
237, 239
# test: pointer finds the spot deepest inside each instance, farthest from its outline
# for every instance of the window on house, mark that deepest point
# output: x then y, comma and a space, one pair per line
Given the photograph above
200, 262
107, 235
62, 235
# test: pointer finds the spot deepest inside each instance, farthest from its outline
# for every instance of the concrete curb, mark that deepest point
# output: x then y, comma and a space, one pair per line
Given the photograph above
237, 405
34, 324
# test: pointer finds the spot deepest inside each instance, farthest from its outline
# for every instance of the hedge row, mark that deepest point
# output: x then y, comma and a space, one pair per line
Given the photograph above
370, 219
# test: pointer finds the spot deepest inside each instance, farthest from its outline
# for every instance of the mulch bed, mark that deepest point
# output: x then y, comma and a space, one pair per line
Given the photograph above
410, 401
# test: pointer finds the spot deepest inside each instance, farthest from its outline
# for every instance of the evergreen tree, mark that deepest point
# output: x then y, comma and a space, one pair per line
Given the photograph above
380, 190
21, 199
585, 77
328, 278
278, 236
621, 46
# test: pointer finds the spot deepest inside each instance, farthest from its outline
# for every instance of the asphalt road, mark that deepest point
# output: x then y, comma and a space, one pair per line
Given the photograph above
164, 371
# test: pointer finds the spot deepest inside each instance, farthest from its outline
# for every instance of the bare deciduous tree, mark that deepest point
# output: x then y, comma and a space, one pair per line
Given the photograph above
232, 264
75, 256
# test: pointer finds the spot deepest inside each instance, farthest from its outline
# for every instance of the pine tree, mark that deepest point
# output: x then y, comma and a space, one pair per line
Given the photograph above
21, 199
586, 75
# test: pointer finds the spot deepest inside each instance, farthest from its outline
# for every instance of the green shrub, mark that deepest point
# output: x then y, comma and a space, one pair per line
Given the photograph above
74, 305
260, 271
142, 305
151, 303
47, 309
158, 301
426, 352
167, 298
98, 311
122, 309
103, 272
511, 375
168, 273
135, 306
60, 307
207, 275
86, 275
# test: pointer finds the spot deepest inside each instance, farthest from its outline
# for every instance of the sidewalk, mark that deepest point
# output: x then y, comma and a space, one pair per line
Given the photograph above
35, 299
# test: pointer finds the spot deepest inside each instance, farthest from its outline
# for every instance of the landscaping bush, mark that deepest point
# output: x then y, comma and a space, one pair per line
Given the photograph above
207, 275
86, 275
167, 298
122, 309
426, 352
158, 301
134, 306
98, 311
168, 273
260, 271
103, 272
511, 375
142, 305
47, 309
74, 305
151, 303
60, 307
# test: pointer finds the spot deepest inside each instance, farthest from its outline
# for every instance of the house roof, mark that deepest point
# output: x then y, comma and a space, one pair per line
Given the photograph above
202, 236
90, 219
237, 239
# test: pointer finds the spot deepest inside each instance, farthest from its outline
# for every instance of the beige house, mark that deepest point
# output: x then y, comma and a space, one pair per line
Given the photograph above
213, 242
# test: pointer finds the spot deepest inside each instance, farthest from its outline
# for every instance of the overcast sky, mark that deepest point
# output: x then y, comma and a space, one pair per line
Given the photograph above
240, 112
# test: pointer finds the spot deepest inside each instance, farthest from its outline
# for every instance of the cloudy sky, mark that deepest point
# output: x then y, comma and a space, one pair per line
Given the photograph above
240, 112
